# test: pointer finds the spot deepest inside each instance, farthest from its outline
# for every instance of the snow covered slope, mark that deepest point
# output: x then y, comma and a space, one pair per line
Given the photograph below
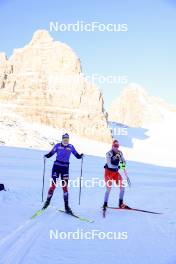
17, 132
154, 144
150, 238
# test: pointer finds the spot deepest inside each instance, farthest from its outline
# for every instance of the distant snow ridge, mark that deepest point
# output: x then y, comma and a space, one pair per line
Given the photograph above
138, 109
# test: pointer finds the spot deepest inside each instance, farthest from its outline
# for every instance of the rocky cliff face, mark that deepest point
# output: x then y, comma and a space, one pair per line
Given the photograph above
43, 83
137, 109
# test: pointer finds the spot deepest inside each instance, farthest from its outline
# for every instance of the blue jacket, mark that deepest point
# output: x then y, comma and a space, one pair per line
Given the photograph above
63, 154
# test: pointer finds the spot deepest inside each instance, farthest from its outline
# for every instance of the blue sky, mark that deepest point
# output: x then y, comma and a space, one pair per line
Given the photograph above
146, 54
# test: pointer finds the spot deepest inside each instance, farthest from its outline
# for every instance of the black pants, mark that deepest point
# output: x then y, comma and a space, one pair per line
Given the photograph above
63, 172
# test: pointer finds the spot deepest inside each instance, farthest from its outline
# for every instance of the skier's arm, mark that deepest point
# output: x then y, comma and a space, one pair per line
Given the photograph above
122, 159
52, 152
76, 154
125, 170
108, 159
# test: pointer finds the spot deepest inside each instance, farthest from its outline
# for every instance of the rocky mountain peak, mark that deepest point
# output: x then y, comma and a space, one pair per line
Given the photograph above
44, 84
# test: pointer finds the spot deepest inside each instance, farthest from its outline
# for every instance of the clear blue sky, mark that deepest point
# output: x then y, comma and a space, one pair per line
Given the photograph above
146, 53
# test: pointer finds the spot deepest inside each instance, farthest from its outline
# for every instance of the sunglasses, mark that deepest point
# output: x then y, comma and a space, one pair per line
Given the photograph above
115, 146
65, 140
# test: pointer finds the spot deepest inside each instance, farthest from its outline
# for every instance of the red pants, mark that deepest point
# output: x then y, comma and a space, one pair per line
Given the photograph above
111, 176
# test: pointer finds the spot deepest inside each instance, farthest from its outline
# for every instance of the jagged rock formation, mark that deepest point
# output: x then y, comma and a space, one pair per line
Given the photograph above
43, 83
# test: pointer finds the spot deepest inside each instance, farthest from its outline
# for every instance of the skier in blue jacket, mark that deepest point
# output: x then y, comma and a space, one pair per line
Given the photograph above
61, 168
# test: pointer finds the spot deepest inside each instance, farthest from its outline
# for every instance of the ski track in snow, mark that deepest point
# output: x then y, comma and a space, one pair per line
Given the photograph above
17, 245
151, 238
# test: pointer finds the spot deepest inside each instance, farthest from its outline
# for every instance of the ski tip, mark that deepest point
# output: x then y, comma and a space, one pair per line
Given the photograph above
39, 212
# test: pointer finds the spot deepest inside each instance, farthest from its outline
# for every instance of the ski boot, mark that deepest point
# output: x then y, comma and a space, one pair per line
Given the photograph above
46, 204
68, 209
105, 205
122, 205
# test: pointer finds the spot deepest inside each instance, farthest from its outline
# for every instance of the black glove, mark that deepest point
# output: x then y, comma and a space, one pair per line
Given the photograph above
48, 155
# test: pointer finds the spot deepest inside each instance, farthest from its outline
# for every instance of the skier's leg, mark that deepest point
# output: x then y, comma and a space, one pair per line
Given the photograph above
65, 178
106, 197
108, 181
52, 187
121, 195
122, 192
119, 182
65, 187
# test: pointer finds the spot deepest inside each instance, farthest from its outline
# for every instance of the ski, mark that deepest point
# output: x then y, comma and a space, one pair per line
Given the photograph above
76, 216
134, 209
37, 213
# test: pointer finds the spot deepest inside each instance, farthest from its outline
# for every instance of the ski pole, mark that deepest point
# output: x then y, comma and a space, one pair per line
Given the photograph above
43, 183
80, 178
127, 177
